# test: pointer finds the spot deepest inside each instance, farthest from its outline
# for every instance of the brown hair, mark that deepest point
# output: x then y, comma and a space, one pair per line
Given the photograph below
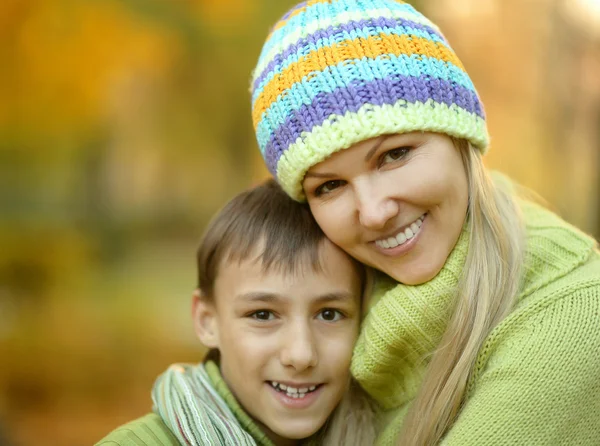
262, 217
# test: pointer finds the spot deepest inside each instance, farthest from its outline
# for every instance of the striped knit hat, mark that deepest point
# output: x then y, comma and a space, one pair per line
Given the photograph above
337, 72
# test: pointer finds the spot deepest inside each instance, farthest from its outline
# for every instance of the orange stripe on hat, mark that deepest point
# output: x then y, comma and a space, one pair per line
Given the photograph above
370, 47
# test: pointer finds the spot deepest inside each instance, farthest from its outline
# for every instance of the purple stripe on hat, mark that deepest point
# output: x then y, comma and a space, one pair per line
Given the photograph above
295, 8
358, 93
350, 27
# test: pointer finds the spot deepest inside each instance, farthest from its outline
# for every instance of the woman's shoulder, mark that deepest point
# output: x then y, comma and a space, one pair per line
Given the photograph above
557, 318
557, 255
148, 430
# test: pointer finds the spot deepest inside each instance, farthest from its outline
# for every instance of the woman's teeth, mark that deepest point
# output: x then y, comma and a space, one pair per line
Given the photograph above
292, 392
402, 237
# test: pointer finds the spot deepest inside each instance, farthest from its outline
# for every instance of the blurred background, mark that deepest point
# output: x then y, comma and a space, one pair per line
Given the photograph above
124, 125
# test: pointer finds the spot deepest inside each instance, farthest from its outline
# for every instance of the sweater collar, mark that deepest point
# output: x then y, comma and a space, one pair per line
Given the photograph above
404, 325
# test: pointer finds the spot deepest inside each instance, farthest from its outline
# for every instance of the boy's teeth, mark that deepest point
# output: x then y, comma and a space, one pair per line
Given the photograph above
293, 392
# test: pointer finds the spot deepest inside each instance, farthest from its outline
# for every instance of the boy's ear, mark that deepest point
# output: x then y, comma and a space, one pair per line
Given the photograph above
204, 315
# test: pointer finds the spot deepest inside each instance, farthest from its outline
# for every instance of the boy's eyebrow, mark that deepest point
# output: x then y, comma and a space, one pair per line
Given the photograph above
259, 296
330, 297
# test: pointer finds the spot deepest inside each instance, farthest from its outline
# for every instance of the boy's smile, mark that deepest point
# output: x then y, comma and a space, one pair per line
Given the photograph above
286, 339
298, 397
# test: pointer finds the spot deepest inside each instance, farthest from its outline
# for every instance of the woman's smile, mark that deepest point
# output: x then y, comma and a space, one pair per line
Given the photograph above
402, 236
396, 203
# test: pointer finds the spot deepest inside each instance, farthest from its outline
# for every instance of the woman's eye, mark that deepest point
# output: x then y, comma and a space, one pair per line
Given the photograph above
330, 315
328, 187
263, 315
394, 155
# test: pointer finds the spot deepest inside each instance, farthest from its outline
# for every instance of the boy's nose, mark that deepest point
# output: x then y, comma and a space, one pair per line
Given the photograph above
299, 349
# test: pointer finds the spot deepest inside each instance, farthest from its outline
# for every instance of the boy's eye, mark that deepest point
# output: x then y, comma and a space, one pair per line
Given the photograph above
263, 315
394, 155
330, 315
328, 187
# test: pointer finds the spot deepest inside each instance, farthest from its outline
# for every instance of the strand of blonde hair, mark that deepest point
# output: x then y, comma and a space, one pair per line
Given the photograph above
485, 295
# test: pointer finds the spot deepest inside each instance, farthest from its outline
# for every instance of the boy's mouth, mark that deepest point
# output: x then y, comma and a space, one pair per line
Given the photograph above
294, 392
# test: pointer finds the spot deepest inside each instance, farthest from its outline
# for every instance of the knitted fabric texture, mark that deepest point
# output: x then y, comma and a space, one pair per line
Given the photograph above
402, 329
193, 406
536, 378
334, 73
187, 402
149, 430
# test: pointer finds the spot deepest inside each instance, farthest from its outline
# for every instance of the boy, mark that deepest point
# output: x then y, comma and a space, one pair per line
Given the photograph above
279, 306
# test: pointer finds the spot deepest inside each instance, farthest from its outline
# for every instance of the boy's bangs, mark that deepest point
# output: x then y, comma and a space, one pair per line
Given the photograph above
276, 251
261, 224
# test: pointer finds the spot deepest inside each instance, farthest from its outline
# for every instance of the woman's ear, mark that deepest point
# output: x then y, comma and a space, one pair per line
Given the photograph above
204, 315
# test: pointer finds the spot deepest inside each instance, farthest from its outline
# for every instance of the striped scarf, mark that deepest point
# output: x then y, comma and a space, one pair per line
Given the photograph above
189, 405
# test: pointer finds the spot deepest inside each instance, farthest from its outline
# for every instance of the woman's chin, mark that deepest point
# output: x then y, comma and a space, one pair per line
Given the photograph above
415, 273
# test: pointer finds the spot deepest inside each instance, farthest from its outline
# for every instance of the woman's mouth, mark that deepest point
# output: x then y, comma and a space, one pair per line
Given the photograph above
402, 236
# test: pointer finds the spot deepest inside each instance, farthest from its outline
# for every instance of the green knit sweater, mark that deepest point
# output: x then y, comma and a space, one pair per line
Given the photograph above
150, 430
537, 377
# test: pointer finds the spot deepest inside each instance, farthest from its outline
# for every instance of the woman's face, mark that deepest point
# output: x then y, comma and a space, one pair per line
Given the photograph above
396, 202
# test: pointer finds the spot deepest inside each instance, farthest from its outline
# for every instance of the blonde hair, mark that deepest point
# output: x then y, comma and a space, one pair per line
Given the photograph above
486, 293
353, 421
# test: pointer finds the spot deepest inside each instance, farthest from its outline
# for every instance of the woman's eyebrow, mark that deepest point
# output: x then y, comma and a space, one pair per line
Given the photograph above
371, 152
318, 175
368, 156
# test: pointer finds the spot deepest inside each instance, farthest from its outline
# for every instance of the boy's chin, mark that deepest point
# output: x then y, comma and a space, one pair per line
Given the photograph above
298, 429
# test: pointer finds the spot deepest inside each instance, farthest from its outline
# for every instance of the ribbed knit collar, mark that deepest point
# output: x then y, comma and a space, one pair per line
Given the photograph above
403, 327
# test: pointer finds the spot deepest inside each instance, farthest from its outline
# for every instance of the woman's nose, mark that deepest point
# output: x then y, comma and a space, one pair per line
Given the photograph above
375, 208
299, 349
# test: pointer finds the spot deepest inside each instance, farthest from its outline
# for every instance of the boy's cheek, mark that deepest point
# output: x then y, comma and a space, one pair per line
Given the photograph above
337, 351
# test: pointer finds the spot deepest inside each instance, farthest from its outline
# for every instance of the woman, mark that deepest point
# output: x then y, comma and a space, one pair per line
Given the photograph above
485, 322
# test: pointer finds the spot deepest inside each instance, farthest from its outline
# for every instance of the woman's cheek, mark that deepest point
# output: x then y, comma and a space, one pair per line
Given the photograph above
331, 216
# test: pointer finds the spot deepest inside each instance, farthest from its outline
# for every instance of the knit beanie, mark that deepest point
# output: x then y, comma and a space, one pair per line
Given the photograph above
333, 73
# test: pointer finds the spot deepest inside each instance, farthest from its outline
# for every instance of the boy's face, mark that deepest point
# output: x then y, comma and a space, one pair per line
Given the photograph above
286, 340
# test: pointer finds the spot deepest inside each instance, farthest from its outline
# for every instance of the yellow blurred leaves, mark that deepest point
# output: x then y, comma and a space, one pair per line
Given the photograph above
225, 13
64, 61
